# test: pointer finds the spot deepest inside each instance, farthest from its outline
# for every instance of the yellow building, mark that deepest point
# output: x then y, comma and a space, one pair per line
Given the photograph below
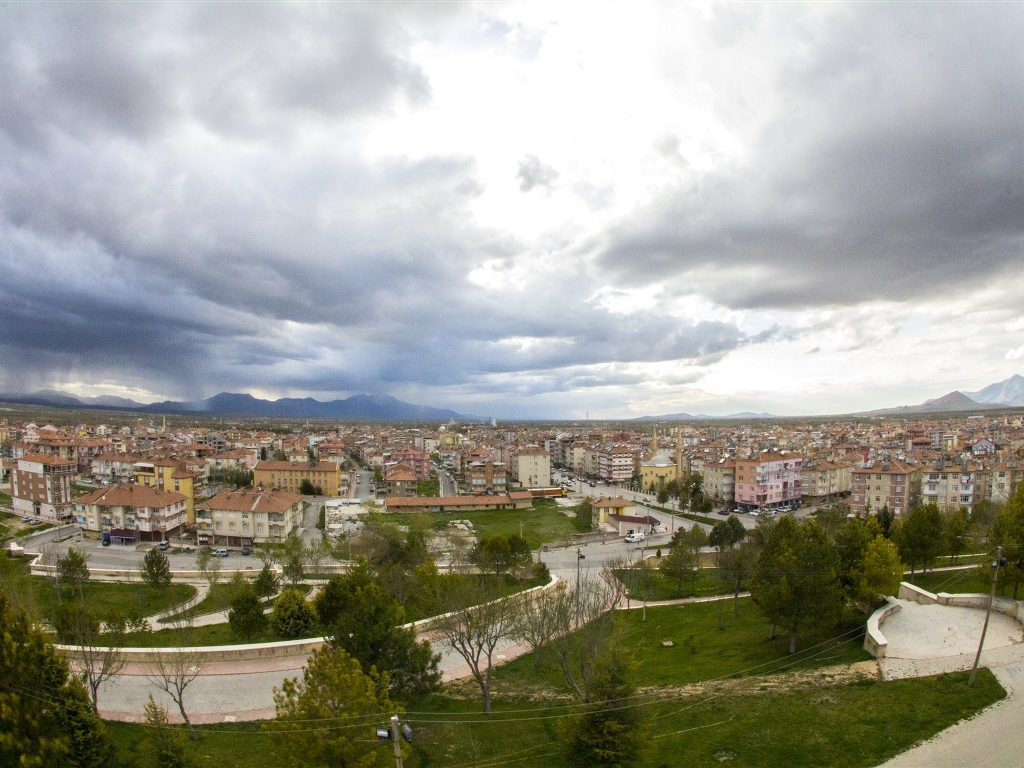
288, 475
169, 475
657, 473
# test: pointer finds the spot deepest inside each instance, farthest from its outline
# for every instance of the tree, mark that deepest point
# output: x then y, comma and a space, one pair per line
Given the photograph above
45, 714
607, 733
246, 616
316, 553
266, 583
587, 626
475, 621
334, 693
831, 519
1008, 532
919, 536
156, 569
957, 527
293, 556
363, 619
886, 517
726, 533
735, 565
684, 558
851, 539
73, 570
662, 495
174, 670
536, 622
795, 582
208, 565
98, 656
164, 745
878, 574
306, 488
292, 617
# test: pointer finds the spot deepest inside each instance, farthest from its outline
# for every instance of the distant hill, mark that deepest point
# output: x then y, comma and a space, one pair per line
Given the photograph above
1008, 392
370, 407
705, 417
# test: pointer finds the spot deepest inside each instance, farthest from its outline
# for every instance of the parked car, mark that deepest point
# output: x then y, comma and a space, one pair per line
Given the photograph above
634, 538
164, 546
220, 553
245, 551
26, 519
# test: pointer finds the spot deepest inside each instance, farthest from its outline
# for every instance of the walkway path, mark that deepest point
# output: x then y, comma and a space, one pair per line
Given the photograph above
934, 639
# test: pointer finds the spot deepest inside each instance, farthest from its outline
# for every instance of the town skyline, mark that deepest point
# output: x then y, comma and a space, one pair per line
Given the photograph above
514, 210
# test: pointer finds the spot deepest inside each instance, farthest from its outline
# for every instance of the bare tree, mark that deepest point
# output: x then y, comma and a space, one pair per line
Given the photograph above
317, 551
175, 670
586, 625
476, 621
97, 655
208, 565
537, 621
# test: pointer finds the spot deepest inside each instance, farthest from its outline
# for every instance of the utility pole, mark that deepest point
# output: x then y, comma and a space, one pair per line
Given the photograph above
395, 741
579, 556
984, 629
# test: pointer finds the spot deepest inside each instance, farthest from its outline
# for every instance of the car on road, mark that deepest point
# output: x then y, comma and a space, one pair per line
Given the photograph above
220, 553
634, 538
164, 546
646, 500
26, 519
723, 511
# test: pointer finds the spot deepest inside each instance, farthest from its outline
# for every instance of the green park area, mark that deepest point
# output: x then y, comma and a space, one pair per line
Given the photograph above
542, 523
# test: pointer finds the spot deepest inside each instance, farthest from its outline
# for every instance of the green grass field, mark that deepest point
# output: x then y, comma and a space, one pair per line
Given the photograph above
544, 522
662, 587
847, 726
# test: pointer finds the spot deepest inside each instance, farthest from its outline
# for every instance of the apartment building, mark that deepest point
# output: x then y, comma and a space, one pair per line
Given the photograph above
399, 480
168, 475
824, 481
885, 483
768, 480
288, 475
248, 516
720, 480
416, 460
486, 477
41, 487
532, 468
132, 512
1003, 480
949, 486
615, 465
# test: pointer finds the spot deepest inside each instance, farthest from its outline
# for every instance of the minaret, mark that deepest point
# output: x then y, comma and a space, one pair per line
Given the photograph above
654, 442
679, 451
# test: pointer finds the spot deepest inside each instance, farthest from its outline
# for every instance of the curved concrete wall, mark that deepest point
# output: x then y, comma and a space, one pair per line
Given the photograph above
874, 641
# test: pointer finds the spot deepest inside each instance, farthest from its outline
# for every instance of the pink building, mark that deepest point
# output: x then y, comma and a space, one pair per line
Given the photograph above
768, 481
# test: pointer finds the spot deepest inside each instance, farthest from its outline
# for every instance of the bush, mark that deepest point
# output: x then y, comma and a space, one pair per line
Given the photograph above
293, 617
156, 569
246, 616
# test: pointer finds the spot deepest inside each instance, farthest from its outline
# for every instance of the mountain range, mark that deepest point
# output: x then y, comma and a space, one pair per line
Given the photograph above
705, 417
369, 407
1003, 393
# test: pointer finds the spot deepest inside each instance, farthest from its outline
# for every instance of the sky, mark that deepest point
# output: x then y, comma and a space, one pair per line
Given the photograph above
519, 210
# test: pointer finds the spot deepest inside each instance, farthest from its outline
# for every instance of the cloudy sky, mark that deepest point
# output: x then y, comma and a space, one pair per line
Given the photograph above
518, 210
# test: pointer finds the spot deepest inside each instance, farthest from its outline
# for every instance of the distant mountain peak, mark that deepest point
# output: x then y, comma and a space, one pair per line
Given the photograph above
1007, 392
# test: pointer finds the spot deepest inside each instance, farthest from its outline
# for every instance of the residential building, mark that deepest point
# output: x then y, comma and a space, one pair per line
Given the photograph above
768, 480
485, 477
949, 486
41, 487
399, 480
168, 475
288, 475
720, 481
1004, 478
532, 468
416, 460
885, 483
824, 481
615, 465
604, 508
128, 511
248, 516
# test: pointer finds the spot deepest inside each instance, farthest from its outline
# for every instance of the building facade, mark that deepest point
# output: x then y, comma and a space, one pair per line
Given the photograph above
288, 475
768, 481
248, 516
41, 487
133, 511
533, 468
885, 483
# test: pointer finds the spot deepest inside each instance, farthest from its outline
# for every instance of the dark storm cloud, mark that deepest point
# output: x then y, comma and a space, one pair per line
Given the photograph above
895, 169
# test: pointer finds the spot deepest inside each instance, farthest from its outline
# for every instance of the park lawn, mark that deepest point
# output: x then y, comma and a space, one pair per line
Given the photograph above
110, 598
846, 725
219, 599
957, 582
543, 523
663, 587
213, 634
5, 499
701, 650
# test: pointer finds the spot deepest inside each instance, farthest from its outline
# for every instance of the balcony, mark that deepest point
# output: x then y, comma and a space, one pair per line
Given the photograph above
275, 517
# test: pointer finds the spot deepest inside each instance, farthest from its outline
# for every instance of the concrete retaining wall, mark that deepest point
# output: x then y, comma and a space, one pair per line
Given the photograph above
213, 653
874, 641
909, 592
